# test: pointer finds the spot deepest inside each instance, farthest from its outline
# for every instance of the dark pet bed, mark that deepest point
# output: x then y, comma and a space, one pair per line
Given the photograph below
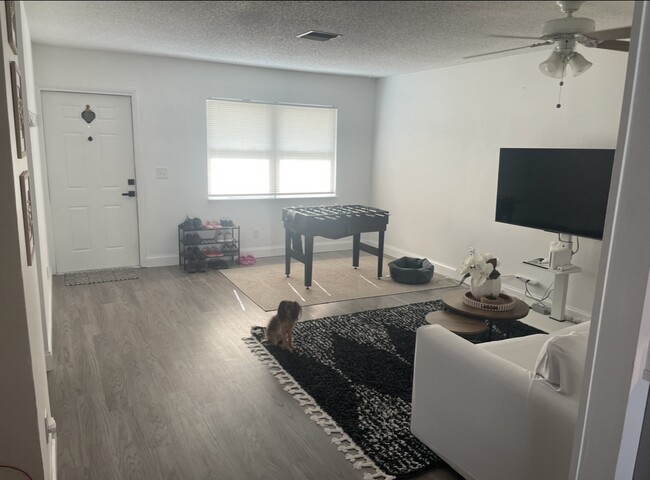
411, 270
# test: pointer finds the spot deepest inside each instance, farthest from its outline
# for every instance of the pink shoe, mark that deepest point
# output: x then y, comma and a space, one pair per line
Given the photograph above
247, 260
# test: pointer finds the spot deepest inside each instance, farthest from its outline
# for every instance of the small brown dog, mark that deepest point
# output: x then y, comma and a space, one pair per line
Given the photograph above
280, 329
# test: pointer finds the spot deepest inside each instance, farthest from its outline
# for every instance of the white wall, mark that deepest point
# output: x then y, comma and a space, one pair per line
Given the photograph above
170, 132
437, 150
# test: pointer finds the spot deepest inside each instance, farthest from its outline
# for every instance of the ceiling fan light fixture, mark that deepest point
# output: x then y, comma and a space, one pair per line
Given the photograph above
553, 66
579, 64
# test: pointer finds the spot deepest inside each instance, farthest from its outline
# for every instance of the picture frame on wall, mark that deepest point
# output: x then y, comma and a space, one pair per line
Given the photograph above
19, 118
28, 221
12, 34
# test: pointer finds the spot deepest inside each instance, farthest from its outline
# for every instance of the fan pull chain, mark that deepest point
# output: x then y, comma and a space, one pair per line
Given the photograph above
559, 96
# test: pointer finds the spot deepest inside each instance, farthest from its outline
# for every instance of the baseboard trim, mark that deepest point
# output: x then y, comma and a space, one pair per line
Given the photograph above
260, 252
278, 250
161, 261
576, 314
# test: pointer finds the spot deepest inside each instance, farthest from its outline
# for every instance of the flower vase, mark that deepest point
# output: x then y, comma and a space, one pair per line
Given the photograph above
485, 289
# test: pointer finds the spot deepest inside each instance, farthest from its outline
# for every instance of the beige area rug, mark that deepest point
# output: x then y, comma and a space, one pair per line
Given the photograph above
332, 281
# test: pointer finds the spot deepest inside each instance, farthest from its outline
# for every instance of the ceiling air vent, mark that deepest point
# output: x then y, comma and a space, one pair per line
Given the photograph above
318, 36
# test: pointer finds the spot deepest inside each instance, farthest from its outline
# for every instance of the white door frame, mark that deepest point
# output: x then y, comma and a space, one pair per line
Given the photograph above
139, 170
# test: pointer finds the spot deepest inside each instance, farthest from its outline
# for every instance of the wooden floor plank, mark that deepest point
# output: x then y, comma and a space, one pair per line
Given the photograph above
152, 381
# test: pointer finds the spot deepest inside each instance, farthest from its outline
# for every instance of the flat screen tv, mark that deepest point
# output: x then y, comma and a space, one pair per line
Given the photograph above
557, 190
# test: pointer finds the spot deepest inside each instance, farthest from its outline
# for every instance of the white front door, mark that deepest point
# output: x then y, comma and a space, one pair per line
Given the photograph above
89, 168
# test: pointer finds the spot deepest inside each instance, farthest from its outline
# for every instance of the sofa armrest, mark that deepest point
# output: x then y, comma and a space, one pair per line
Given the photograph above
470, 406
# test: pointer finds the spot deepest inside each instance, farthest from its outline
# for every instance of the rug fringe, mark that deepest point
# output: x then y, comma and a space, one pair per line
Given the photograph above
353, 453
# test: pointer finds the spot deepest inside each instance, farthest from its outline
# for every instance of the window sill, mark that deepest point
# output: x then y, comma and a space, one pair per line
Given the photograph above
271, 197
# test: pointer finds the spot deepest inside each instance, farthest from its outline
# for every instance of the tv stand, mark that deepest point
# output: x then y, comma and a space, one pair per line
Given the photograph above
561, 285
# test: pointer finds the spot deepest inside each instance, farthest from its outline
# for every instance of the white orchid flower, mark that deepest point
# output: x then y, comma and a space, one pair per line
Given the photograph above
482, 272
489, 256
467, 265
478, 266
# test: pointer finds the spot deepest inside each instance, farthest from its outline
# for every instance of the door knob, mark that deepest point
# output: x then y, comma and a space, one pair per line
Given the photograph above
130, 193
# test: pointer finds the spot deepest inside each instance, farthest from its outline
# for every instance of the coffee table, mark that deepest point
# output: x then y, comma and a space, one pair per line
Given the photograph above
455, 323
459, 317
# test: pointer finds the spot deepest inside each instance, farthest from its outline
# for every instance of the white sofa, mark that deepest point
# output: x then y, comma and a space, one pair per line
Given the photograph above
504, 410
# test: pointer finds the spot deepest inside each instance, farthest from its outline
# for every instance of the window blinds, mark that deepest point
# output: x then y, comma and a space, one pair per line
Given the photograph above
262, 149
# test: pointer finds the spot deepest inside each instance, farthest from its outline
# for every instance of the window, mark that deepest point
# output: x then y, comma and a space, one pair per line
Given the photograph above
270, 150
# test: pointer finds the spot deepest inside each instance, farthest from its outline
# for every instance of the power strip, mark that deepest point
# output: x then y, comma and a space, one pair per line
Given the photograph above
525, 279
540, 309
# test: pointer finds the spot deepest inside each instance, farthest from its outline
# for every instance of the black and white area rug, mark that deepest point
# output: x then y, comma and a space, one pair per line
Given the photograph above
99, 276
353, 374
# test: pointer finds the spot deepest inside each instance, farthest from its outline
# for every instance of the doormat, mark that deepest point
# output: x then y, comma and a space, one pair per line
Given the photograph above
99, 276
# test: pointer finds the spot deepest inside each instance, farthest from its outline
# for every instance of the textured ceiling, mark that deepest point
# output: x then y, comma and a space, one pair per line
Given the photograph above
379, 38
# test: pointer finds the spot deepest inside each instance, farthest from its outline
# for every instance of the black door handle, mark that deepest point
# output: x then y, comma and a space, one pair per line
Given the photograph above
130, 193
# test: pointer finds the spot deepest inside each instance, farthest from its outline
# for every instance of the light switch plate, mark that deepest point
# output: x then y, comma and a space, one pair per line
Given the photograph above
162, 173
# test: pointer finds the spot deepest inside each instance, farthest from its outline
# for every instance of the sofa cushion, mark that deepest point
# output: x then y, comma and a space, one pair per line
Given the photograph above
578, 327
561, 361
522, 351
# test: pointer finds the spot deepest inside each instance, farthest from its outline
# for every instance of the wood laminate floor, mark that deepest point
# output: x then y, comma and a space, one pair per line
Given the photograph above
153, 381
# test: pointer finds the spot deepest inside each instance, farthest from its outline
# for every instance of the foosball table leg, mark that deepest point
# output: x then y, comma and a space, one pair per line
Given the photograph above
309, 258
356, 246
380, 255
287, 252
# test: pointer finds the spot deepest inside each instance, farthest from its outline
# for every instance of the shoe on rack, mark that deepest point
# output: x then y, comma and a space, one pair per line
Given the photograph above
202, 265
190, 261
198, 225
211, 224
218, 264
188, 224
192, 266
192, 239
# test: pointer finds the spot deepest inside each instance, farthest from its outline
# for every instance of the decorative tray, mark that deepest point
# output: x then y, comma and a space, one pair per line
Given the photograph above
502, 303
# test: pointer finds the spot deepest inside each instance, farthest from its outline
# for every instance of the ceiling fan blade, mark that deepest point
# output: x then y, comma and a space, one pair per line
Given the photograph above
510, 49
619, 45
516, 36
611, 34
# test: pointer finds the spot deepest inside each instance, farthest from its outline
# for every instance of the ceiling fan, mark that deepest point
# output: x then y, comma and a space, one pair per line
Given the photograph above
565, 34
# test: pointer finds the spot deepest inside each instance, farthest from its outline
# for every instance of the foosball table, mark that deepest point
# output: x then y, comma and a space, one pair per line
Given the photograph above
331, 221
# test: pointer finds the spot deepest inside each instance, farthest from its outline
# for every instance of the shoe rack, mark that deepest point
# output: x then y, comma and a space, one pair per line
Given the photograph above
203, 248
